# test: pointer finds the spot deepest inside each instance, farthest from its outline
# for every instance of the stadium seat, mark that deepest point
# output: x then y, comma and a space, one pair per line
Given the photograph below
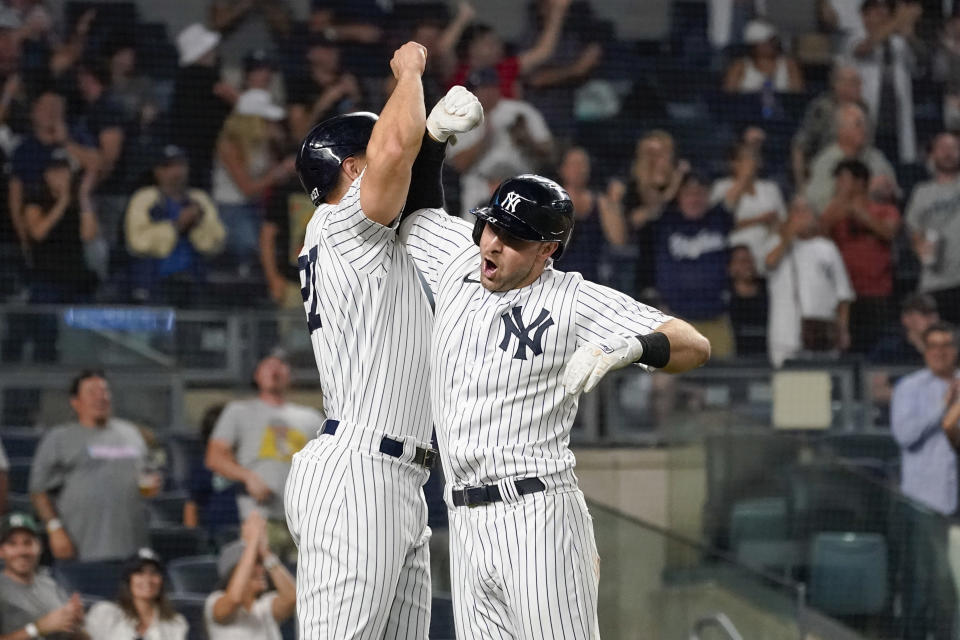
831, 497
167, 508
20, 442
174, 542
191, 607
848, 573
18, 476
758, 519
441, 617
95, 580
193, 575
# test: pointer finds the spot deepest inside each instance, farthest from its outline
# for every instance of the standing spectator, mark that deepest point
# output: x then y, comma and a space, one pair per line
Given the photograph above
933, 218
946, 69
200, 101
691, 261
925, 412
514, 136
863, 231
440, 41
172, 228
31, 157
817, 130
481, 48
748, 303
133, 91
93, 466
597, 223
243, 609
324, 91
213, 498
254, 441
142, 609
809, 290
244, 21
759, 210
852, 143
281, 239
32, 605
551, 88
655, 176
101, 118
918, 312
887, 58
245, 169
766, 68
259, 70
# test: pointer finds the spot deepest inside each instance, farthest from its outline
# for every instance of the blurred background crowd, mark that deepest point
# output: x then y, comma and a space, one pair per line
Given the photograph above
154, 167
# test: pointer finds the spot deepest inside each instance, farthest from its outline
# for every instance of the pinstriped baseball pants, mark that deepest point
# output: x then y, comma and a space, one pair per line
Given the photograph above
360, 523
526, 569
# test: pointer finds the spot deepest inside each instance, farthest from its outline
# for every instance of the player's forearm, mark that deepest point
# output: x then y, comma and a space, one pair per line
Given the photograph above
689, 349
398, 133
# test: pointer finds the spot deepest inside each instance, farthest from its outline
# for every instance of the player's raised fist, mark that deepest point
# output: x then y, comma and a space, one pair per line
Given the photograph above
457, 112
410, 57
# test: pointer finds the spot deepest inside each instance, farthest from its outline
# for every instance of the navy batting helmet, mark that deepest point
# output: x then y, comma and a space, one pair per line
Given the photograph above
326, 147
529, 207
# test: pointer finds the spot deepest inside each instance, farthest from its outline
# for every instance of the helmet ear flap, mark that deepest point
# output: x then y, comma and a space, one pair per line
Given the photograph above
478, 230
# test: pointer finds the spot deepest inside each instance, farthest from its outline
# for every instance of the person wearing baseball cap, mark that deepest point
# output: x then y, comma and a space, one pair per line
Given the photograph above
32, 605
141, 609
243, 608
258, 70
766, 67
171, 228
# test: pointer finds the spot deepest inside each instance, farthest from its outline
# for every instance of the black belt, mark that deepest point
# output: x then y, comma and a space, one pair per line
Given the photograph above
477, 496
425, 458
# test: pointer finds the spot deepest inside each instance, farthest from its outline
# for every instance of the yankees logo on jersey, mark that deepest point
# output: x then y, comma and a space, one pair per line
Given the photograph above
513, 327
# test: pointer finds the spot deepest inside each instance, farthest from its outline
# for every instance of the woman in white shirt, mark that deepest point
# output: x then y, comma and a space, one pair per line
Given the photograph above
141, 610
244, 609
765, 67
760, 209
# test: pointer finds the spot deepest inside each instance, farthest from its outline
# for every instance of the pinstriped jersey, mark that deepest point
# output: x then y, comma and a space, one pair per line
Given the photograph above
497, 357
369, 321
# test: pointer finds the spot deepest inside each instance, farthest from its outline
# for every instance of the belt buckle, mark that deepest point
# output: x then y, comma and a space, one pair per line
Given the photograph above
429, 458
469, 502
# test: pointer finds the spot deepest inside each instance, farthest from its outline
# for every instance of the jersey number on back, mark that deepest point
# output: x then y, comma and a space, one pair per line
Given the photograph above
308, 292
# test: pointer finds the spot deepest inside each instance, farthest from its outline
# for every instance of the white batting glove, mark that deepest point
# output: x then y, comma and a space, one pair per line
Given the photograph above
590, 362
457, 112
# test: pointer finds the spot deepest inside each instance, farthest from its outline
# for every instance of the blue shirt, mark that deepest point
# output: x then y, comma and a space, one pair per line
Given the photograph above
691, 262
929, 464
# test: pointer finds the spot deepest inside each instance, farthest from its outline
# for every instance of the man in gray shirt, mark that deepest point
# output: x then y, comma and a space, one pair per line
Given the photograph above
933, 218
93, 466
32, 605
254, 441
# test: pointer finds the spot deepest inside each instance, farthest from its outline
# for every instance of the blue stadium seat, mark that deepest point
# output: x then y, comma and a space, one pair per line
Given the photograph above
174, 542
18, 476
441, 617
97, 580
191, 607
758, 519
195, 575
848, 573
167, 508
20, 442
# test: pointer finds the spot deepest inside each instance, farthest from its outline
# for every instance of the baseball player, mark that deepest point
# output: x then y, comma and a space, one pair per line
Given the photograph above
353, 498
514, 344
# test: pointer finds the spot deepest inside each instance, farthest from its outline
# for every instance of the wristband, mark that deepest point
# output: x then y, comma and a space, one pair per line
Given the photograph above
54, 524
271, 562
32, 630
656, 349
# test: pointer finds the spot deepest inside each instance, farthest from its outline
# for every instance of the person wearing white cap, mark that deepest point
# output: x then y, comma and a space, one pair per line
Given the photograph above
200, 101
245, 168
766, 66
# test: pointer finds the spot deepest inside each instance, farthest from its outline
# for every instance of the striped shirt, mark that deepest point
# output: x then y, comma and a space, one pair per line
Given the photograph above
369, 322
497, 357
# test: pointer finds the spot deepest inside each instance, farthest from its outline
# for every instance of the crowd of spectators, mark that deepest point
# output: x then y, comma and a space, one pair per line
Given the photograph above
160, 170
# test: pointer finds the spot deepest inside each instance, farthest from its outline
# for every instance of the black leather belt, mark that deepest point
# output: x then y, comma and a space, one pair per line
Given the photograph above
425, 458
477, 496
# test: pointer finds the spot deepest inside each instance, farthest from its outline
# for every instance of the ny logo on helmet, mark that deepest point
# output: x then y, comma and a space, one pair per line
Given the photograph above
513, 326
510, 202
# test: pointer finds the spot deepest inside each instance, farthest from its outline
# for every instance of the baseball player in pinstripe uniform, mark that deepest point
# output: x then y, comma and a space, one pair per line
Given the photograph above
353, 498
514, 344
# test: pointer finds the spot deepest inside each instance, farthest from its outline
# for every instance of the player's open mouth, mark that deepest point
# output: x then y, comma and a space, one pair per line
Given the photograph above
488, 268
